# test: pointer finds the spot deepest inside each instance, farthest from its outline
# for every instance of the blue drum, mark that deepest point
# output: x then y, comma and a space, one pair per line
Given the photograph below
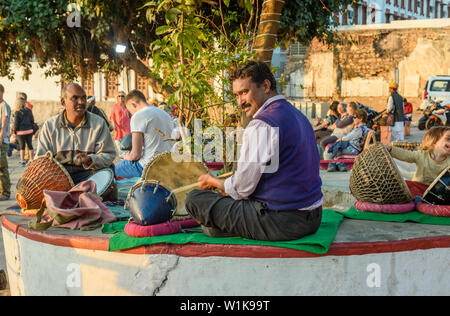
150, 203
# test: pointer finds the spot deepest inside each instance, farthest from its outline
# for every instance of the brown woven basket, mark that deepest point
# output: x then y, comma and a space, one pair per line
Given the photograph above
375, 178
43, 173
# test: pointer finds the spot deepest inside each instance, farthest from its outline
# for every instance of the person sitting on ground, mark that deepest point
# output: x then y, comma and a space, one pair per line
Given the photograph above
325, 128
151, 129
274, 194
350, 144
23, 129
78, 139
342, 127
431, 158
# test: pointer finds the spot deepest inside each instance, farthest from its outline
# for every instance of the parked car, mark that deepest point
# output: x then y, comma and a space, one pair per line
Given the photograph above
436, 89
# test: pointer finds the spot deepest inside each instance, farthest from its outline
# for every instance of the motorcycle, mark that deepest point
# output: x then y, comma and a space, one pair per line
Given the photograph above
435, 114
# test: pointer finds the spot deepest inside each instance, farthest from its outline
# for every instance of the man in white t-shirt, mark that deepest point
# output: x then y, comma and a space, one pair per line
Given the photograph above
151, 129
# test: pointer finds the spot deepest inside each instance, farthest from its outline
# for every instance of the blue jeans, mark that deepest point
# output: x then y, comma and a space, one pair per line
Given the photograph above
129, 169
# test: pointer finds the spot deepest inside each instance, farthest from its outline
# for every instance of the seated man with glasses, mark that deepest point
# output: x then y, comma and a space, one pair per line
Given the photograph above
79, 140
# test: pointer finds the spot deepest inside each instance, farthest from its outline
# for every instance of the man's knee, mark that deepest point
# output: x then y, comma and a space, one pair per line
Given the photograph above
192, 199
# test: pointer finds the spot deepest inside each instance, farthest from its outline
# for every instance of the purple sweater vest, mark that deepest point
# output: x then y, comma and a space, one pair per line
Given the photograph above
296, 184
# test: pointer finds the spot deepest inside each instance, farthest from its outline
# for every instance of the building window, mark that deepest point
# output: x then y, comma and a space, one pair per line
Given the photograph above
88, 85
364, 14
142, 85
297, 49
111, 85
387, 16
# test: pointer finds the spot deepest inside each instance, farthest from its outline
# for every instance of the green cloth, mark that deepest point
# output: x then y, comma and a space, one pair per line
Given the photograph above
414, 216
318, 242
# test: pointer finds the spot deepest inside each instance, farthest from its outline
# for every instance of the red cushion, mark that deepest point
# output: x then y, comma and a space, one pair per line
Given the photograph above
434, 210
385, 208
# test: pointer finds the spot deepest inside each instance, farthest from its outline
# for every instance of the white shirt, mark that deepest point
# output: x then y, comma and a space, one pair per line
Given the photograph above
254, 157
150, 121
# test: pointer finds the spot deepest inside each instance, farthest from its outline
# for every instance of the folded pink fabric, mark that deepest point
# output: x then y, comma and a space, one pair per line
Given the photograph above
80, 208
166, 228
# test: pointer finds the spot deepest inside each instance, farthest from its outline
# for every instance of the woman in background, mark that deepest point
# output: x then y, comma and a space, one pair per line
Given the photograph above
23, 128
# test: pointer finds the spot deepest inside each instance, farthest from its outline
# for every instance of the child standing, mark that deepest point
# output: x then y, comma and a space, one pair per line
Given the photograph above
432, 157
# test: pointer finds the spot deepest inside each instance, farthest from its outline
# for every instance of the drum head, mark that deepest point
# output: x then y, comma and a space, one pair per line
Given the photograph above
439, 191
103, 179
173, 175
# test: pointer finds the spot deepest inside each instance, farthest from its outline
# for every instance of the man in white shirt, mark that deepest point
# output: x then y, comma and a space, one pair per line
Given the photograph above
150, 129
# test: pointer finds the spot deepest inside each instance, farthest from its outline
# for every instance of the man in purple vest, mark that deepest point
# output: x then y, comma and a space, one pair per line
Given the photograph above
275, 193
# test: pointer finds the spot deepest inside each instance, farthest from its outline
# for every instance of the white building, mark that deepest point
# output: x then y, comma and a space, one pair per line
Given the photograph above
385, 11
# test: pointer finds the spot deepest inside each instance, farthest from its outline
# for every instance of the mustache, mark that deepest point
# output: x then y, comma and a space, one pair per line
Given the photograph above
245, 105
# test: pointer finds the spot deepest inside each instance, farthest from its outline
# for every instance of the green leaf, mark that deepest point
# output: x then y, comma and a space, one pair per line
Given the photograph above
163, 29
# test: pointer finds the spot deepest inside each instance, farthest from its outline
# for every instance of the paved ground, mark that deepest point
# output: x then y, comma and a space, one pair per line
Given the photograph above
332, 183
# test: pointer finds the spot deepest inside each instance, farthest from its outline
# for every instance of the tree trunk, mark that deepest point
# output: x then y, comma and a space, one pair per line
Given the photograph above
266, 36
267, 30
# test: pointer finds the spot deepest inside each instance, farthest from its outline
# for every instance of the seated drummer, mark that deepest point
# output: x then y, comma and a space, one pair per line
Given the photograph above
284, 203
78, 139
432, 157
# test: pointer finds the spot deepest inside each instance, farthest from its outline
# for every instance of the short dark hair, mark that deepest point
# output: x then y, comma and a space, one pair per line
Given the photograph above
66, 87
353, 105
135, 95
2, 88
334, 106
257, 71
361, 114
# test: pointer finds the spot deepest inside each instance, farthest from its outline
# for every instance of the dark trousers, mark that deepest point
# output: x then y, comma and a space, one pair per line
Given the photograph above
249, 218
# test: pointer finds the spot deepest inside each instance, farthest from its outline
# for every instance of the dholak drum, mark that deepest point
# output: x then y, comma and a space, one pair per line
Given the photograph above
150, 203
173, 175
438, 193
42, 173
106, 184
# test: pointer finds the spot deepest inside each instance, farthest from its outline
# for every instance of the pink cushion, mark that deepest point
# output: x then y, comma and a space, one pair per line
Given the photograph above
434, 210
134, 230
385, 208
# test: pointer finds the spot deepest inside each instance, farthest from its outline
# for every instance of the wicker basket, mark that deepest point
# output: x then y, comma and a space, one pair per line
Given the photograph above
375, 178
43, 173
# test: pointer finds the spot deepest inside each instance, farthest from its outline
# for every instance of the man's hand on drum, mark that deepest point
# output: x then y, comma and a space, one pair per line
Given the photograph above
82, 160
207, 182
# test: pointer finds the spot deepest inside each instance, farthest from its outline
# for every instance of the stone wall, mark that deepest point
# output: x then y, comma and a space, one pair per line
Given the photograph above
370, 58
